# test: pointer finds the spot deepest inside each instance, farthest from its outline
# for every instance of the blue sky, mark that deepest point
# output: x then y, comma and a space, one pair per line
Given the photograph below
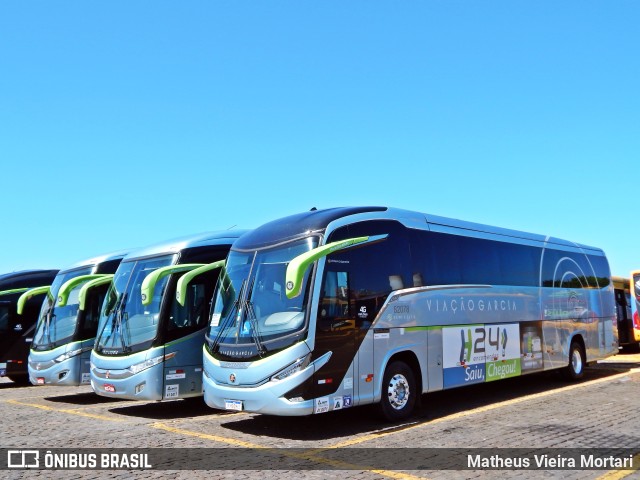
127, 123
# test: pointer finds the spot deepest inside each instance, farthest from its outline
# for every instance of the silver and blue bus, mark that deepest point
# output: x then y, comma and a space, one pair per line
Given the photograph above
334, 308
15, 328
68, 321
149, 342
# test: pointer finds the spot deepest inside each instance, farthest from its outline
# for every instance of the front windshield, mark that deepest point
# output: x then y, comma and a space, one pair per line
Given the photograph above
125, 323
57, 325
251, 314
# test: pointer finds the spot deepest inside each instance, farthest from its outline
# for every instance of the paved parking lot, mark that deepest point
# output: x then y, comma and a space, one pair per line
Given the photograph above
536, 411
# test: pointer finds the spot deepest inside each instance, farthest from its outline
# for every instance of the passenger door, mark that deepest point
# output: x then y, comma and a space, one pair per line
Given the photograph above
335, 332
184, 336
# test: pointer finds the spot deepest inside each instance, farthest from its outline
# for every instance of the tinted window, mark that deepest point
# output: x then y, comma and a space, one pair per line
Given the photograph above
601, 267
572, 270
193, 315
373, 269
444, 259
4, 319
89, 326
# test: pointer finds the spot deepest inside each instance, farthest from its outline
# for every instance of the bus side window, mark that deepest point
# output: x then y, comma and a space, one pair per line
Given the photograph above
4, 319
194, 311
335, 295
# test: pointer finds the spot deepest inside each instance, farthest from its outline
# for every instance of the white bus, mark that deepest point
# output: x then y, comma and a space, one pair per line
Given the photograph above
66, 329
335, 308
148, 343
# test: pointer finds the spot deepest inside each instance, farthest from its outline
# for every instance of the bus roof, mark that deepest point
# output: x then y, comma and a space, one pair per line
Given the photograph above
293, 226
26, 279
176, 245
302, 224
97, 260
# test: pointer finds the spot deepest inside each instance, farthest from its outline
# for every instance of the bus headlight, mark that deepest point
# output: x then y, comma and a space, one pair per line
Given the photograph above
68, 355
139, 367
297, 366
152, 362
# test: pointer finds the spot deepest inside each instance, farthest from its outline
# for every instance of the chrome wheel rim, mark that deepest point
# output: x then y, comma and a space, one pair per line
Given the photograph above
398, 391
576, 361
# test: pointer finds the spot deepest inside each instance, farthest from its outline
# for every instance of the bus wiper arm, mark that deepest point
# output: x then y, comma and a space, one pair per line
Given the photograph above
215, 343
47, 326
253, 320
120, 314
255, 333
116, 323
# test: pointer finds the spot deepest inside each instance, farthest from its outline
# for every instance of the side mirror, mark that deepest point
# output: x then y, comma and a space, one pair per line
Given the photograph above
298, 266
150, 281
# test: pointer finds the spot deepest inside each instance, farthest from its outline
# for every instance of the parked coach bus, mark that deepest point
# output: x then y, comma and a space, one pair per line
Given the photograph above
149, 345
334, 308
13, 327
68, 321
634, 328
628, 324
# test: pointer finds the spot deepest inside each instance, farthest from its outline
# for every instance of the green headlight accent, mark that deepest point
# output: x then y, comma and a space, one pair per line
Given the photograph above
183, 282
28, 294
149, 282
65, 289
82, 296
13, 290
299, 265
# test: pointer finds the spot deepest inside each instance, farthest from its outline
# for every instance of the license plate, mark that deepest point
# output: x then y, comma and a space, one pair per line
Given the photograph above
109, 388
40, 380
233, 405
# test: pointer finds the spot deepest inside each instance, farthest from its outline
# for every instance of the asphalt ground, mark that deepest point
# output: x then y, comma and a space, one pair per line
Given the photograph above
539, 411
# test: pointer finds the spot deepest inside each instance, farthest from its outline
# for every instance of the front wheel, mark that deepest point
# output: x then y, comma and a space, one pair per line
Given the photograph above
575, 369
398, 392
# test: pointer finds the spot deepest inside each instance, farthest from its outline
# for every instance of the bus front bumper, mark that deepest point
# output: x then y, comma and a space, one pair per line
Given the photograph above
267, 398
64, 373
114, 383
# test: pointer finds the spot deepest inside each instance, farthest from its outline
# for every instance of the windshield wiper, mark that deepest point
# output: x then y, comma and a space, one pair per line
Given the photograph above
115, 318
46, 333
215, 343
253, 321
120, 314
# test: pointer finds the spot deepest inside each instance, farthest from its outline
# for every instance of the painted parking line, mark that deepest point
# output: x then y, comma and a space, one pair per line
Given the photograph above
69, 411
308, 456
475, 411
619, 474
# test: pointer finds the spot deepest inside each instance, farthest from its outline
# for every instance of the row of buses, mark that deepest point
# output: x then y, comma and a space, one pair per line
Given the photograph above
319, 311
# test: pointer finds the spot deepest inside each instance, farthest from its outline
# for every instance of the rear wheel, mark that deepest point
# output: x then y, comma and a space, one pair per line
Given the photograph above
575, 369
398, 392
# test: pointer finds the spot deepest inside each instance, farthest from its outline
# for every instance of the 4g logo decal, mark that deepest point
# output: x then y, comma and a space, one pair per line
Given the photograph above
479, 353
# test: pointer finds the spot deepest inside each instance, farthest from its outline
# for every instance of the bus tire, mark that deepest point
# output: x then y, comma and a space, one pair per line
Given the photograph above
399, 392
575, 369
